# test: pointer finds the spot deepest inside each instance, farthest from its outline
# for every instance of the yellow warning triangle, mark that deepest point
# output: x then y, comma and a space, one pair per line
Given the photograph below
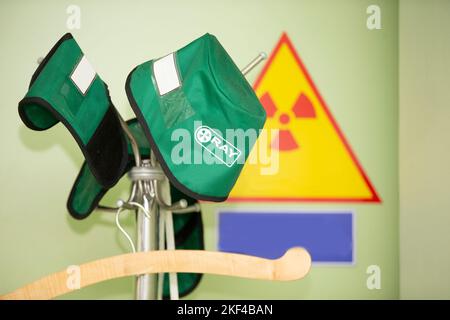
314, 162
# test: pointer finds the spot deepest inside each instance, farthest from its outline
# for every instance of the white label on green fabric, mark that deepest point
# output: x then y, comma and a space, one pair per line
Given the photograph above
166, 75
83, 75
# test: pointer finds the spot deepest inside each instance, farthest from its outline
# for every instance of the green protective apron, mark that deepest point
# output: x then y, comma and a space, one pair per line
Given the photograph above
200, 116
86, 194
66, 88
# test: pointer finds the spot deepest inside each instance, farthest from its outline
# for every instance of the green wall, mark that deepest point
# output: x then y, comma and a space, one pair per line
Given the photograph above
355, 69
424, 149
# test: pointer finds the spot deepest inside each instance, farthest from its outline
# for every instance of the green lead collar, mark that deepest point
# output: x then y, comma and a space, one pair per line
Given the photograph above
65, 88
198, 91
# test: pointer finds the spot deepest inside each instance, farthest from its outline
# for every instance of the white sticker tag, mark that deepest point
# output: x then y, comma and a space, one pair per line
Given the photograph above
83, 75
166, 74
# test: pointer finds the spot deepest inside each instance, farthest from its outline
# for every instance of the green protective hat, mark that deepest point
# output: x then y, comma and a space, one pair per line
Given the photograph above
66, 88
187, 102
86, 194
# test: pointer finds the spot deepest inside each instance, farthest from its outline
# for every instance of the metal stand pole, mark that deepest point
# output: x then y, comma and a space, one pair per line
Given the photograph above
152, 191
147, 240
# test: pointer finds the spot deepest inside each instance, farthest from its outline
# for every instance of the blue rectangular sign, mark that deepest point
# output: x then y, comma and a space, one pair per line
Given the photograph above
328, 236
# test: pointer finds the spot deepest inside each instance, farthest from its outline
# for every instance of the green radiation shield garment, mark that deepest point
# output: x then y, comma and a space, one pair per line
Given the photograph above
65, 88
188, 227
200, 116
87, 192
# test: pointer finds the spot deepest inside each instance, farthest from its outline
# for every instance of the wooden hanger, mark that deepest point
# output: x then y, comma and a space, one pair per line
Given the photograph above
293, 265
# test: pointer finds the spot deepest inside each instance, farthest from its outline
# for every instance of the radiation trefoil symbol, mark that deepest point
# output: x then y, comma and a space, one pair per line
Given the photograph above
203, 135
316, 161
302, 109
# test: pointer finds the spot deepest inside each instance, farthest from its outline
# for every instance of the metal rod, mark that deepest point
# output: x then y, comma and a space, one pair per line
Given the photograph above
147, 240
134, 144
260, 57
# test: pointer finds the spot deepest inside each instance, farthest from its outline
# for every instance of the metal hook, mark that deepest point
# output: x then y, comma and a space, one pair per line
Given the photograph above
260, 57
193, 208
181, 204
131, 199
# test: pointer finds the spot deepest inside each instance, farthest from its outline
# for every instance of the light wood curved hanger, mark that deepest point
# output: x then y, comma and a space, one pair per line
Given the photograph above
293, 265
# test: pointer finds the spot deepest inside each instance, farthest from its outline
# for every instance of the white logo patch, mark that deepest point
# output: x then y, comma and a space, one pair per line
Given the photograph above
166, 74
83, 75
215, 144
